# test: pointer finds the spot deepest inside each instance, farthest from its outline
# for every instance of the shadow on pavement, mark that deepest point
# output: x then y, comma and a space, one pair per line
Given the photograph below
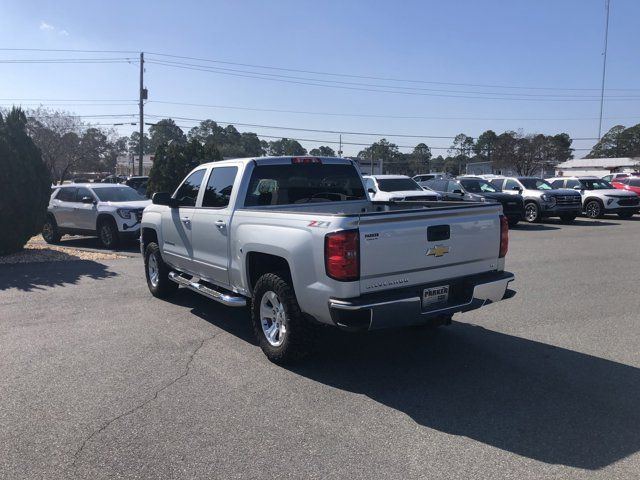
532, 227
536, 400
92, 243
539, 401
37, 276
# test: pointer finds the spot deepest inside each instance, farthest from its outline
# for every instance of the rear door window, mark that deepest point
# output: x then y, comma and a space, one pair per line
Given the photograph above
82, 192
219, 187
573, 183
498, 182
557, 183
511, 185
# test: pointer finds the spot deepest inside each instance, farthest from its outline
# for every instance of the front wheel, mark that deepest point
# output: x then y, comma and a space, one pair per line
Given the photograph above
283, 333
593, 209
531, 212
567, 218
108, 233
626, 214
50, 231
157, 272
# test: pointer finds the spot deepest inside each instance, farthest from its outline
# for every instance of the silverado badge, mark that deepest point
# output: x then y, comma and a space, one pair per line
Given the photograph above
438, 251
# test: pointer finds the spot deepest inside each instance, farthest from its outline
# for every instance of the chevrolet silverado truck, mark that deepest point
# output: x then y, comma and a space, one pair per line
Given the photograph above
298, 240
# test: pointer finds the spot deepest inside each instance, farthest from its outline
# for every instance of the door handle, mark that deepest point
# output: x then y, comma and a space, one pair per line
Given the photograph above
186, 221
220, 223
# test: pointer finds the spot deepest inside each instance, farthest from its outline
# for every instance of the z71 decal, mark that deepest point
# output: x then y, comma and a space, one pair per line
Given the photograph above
319, 224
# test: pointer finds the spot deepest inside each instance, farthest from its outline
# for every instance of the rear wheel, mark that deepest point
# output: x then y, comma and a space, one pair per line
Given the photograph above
626, 214
108, 233
567, 218
593, 209
283, 333
532, 212
50, 231
157, 272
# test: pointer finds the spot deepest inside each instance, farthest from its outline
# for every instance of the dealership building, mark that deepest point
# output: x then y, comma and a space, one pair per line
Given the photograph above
597, 166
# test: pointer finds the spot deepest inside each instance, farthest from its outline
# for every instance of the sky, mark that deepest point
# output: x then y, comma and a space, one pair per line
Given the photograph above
415, 68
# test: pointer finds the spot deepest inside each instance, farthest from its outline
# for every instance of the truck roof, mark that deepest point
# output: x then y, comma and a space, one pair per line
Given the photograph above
278, 160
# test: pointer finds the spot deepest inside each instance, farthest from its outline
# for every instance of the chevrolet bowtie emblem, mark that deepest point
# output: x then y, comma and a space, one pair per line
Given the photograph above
438, 251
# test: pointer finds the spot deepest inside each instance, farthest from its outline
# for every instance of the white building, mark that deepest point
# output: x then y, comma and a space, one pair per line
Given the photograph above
597, 166
128, 164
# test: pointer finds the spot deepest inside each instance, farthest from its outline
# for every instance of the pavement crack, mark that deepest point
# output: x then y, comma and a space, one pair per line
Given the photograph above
143, 404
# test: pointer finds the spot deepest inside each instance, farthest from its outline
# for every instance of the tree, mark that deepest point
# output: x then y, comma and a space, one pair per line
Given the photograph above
57, 135
285, 147
228, 141
165, 131
322, 151
26, 184
134, 144
93, 148
531, 154
485, 145
174, 160
461, 150
618, 142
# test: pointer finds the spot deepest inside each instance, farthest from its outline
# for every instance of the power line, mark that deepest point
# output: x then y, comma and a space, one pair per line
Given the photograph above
68, 60
312, 82
369, 77
220, 70
65, 50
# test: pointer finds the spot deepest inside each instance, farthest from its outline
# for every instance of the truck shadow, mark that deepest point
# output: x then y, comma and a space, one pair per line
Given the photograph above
37, 276
539, 401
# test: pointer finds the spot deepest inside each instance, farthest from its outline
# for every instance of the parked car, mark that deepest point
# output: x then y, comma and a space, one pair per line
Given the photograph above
425, 177
396, 188
599, 197
614, 177
109, 211
631, 184
474, 189
541, 200
135, 181
299, 240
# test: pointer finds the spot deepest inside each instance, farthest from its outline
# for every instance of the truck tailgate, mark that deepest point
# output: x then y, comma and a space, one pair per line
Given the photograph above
418, 247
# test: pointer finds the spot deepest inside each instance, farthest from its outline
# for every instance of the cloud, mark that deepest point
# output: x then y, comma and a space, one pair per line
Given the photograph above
44, 26
63, 33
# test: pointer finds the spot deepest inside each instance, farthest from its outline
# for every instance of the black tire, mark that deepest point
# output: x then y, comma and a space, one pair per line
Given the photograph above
626, 215
594, 209
50, 231
531, 212
160, 286
296, 341
107, 232
513, 222
568, 218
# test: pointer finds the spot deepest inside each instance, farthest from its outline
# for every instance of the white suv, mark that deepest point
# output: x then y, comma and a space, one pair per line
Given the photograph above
397, 188
599, 196
109, 211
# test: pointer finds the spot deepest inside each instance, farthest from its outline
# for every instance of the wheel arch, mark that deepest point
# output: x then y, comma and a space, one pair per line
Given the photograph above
105, 217
259, 263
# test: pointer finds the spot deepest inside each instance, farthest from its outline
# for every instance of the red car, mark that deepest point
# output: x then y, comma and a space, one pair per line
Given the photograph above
631, 183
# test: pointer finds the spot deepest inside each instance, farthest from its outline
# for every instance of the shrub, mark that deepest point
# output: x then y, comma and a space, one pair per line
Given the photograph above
25, 184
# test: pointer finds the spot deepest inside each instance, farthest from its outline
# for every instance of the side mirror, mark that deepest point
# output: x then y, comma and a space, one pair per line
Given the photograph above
164, 198
371, 190
517, 189
87, 200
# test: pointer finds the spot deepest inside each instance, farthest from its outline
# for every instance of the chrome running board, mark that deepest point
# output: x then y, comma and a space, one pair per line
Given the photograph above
229, 299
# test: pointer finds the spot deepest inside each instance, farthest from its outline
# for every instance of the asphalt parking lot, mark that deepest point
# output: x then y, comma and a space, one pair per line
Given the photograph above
100, 380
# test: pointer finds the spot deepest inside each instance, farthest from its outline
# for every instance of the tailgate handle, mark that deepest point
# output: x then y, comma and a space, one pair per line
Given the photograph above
436, 233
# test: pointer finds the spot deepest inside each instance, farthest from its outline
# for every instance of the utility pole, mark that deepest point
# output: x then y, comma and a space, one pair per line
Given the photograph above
604, 67
143, 97
340, 147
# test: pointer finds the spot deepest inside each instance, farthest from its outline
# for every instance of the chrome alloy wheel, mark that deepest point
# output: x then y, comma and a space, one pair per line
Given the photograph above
273, 318
531, 212
152, 270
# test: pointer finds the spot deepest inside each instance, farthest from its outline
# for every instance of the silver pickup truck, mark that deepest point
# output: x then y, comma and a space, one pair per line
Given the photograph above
298, 240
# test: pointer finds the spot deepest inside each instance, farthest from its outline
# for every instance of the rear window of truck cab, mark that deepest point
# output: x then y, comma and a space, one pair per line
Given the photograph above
303, 183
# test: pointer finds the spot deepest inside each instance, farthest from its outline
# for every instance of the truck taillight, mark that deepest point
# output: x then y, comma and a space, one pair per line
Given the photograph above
504, 236
305, 160
342, 255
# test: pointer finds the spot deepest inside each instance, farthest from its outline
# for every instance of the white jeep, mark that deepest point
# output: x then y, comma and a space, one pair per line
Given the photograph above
109, 211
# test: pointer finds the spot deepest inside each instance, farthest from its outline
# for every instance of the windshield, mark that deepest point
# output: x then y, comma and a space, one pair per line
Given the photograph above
303, 183
118, 194
596, 184
535, 184
397, 184
477, 185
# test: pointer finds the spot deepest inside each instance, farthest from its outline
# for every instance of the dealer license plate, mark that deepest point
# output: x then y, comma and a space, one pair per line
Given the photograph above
435, 295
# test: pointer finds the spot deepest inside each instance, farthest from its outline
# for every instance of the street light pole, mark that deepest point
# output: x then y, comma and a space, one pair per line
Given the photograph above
604, 67
143, 96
